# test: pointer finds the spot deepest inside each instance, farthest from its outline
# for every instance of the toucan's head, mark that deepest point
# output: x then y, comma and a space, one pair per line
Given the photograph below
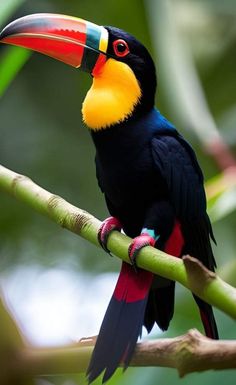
124, 79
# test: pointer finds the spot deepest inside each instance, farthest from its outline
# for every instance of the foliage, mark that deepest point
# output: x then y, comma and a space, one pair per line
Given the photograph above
13, 58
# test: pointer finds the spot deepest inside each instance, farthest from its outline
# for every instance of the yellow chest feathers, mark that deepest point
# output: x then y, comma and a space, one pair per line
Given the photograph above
111, 99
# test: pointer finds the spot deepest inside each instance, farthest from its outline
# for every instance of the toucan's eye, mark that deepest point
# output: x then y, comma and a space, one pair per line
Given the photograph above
120, 47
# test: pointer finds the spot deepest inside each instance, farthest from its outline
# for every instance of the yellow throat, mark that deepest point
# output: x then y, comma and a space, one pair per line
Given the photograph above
112, 97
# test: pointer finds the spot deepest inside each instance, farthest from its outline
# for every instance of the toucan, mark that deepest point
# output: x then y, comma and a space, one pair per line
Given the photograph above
147, 171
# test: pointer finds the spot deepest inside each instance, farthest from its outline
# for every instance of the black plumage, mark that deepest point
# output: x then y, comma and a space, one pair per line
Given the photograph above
151, 178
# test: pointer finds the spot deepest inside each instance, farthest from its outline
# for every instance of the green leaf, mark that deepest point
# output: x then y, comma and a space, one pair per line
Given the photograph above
13, 60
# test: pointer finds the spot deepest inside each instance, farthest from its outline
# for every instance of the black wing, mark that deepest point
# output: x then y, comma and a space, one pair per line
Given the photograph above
176, 161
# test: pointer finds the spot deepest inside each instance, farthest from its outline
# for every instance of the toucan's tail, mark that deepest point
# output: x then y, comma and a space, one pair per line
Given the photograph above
160, 305
122, 323
128, 310
207, 317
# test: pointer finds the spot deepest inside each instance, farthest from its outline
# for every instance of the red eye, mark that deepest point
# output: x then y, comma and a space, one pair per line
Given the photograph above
120, 47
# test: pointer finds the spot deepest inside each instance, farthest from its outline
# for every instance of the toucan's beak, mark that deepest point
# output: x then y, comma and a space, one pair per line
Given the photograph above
73, 41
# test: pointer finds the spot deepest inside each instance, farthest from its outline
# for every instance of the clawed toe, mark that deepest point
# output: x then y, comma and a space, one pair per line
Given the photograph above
137, 244
106, 228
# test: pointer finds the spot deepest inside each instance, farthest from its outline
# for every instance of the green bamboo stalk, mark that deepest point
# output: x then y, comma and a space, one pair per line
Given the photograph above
189, 272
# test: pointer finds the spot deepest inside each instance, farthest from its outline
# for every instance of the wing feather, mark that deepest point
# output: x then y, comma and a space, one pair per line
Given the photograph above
176, 161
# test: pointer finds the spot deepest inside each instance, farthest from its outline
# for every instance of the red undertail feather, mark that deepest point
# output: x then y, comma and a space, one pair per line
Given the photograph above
175, 243
132, 286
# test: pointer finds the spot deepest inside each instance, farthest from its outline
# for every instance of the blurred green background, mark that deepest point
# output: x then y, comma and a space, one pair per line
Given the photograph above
42, 137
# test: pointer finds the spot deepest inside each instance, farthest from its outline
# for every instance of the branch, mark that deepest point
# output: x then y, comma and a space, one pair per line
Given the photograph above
188, 353
189, 271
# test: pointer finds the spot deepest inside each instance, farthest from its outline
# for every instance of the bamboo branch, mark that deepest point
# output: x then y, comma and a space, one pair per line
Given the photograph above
188, 353
189, 271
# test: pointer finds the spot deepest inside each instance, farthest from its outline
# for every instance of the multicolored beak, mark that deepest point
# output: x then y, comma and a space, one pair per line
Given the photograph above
71, 40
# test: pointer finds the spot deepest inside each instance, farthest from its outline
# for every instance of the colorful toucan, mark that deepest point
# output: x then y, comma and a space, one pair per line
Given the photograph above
149, 174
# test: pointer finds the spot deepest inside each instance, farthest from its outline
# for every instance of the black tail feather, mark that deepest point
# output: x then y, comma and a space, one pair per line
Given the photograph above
120, 329
103, 349
160, 306
207, 317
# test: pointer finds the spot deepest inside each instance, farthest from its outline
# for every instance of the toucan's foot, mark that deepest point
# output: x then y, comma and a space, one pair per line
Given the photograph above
137, 244
105, 230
